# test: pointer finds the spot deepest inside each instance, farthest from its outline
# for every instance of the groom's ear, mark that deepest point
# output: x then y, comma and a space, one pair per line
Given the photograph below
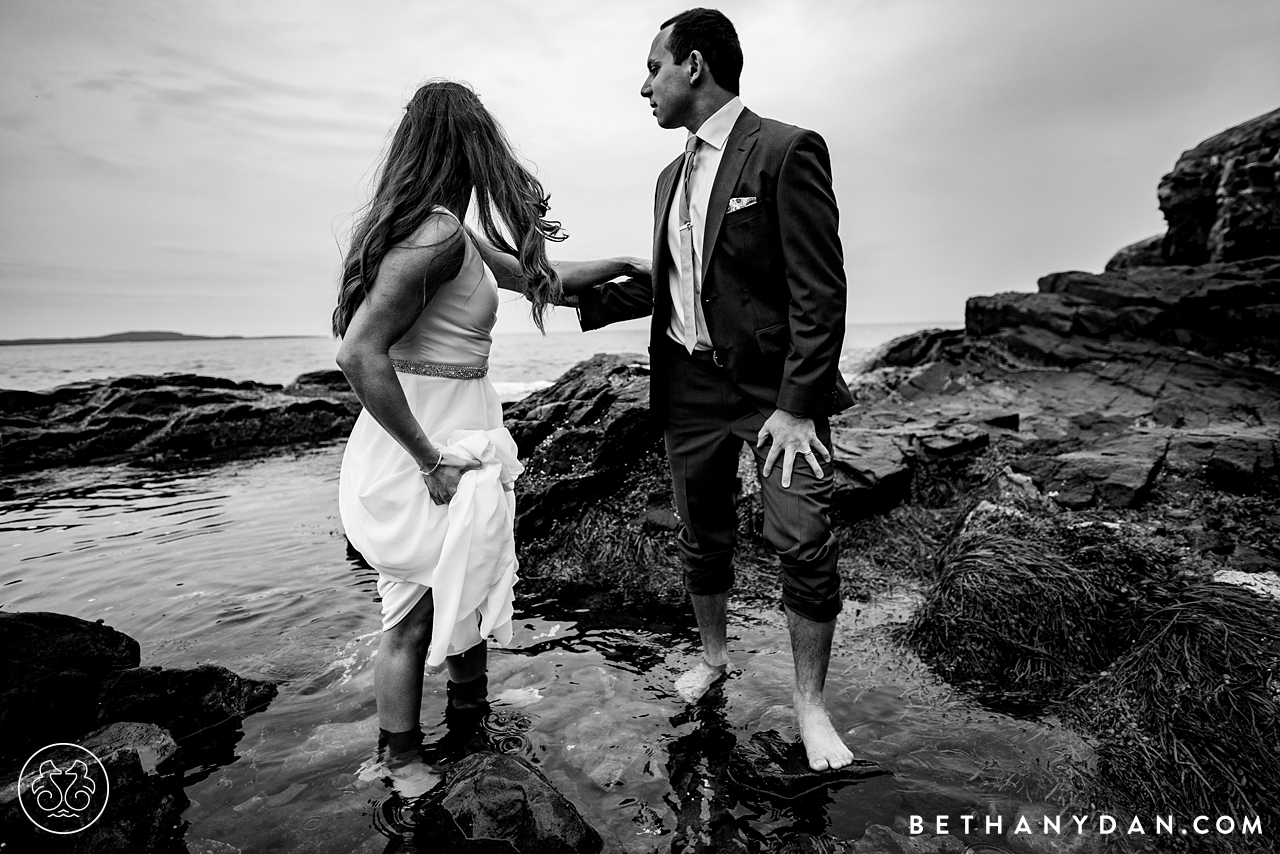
697, 67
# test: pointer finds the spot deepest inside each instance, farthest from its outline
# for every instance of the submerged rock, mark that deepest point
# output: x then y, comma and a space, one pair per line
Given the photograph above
771, 766
500, 803
884, 840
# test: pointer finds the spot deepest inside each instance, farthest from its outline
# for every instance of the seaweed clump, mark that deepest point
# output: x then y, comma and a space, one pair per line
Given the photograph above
1025, 609
1189, 718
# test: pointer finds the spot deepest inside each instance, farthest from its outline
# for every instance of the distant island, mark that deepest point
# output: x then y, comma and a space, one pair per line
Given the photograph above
144, 336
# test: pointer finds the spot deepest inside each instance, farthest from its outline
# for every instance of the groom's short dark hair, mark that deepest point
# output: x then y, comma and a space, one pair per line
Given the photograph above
711, 33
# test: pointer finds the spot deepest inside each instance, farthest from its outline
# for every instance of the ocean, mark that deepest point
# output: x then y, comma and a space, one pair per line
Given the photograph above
518, 364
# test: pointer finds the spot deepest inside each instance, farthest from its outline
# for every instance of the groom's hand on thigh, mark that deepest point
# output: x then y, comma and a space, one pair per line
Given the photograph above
792, 436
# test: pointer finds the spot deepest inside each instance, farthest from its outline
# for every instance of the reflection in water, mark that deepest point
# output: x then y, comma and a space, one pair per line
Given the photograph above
698, 766
245, 565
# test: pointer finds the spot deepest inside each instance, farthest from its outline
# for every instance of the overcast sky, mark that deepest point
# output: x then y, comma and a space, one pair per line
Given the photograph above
194, 166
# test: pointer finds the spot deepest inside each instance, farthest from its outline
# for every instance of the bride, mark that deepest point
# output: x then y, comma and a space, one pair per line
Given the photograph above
425, 489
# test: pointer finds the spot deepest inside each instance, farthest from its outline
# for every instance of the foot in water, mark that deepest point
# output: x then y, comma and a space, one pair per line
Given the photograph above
823, 745
693, 684
410, 776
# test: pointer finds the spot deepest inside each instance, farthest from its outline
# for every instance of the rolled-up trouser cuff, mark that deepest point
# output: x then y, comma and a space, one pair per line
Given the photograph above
813, 590
705, 574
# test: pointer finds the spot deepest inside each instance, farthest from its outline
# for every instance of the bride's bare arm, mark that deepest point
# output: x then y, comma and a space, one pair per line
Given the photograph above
407, 280
575, 276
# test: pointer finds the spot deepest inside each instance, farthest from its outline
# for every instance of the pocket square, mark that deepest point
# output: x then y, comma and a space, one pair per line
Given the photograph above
739, 202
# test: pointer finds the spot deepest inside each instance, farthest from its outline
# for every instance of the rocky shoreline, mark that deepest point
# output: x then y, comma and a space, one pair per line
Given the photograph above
1083, 485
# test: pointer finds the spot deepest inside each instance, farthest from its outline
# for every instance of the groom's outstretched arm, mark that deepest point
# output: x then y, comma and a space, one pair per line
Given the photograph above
576, 277
615, 301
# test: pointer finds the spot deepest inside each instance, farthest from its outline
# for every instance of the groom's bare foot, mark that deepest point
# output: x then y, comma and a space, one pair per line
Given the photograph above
823, 745
693, 684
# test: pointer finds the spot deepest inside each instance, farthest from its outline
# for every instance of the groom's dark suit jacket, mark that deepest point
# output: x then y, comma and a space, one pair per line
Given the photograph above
773, 290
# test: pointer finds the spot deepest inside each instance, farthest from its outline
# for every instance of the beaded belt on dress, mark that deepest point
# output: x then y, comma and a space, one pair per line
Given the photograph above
430, 369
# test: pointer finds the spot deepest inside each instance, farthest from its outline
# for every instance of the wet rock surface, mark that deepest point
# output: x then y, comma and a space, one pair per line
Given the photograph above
174, 417
51, 666
595, 519
143, 813
66, 680
770, 765
201, 707
498, 803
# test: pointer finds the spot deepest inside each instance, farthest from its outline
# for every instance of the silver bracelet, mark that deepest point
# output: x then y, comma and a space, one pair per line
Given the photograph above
439, 457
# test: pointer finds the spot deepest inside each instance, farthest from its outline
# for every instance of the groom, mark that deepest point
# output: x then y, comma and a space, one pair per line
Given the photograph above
748, 304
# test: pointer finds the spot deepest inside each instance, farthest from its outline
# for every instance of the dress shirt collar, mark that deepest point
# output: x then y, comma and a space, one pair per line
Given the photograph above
715, 130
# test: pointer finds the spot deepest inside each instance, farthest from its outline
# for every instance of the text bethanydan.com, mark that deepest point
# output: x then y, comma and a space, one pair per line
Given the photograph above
1102, 823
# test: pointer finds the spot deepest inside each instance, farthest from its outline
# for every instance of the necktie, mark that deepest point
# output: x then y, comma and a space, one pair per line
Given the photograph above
688, 297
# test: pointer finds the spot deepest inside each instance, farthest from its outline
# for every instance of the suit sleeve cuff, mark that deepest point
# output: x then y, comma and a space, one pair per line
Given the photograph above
591, 313
803, 402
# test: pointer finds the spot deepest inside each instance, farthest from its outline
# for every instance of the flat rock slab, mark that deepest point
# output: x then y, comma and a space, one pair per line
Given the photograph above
1231, 458
1117, 473
770, 765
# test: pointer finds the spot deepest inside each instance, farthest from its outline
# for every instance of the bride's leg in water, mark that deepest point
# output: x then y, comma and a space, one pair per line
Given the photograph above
397, 676
397, 672
468, 678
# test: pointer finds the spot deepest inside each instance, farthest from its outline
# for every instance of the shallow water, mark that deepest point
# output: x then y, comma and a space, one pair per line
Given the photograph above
245, 565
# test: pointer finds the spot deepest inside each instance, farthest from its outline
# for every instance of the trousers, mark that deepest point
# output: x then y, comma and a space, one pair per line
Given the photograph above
708, 418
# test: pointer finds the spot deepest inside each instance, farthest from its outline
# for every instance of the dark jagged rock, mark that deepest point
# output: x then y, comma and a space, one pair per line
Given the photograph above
161, 417
37, 642
50, 669
594, 506
331, 380
331, 385
1221, 200
500, 803
1215, 308
875, 467
1098, 418
195, 705
143, 813
771, 766
1148, 252
66, 680
924, 346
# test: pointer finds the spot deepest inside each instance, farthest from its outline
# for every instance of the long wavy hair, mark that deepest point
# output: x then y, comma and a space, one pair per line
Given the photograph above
447, 148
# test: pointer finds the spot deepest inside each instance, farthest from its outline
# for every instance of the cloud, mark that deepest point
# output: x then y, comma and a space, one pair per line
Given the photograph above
211, 154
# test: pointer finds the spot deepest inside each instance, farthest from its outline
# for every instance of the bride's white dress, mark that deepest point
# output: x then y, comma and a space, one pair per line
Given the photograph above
464, 551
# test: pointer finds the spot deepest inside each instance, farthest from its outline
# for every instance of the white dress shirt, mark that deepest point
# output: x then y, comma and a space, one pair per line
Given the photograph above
714, 132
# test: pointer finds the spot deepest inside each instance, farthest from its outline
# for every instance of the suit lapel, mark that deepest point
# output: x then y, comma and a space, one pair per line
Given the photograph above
662, 210
736, 148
